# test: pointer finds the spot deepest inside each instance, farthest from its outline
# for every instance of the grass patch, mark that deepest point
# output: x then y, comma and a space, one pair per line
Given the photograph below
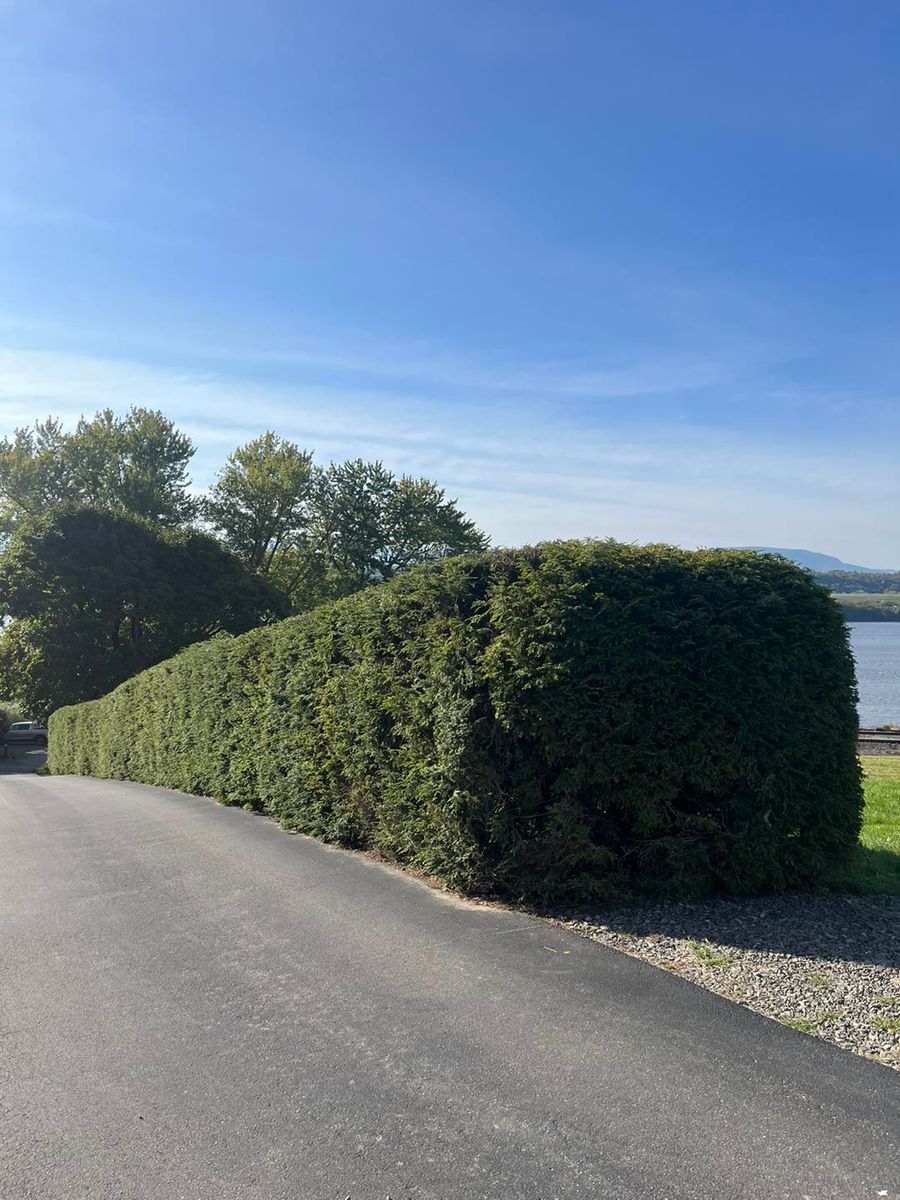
801, 1024
811, 1024
881, 767
887, 1024
709, 956
875, 869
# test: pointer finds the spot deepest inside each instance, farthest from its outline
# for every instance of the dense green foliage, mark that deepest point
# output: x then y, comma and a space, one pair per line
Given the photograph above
320, 534
90, 598
866, 606
260, 502
551, 723
85, 602
368, 525
875, 582
136, 464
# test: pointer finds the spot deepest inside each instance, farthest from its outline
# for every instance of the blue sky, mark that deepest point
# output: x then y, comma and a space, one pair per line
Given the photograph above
616, 269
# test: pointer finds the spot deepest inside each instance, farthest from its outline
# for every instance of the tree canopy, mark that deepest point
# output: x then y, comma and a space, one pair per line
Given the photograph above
135, 464
104, 569
93, 597
320, 534
259, 503
368, 525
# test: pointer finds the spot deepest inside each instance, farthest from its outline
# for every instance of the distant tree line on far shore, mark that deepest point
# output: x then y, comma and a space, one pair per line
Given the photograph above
864, 606
875, 582
864, 595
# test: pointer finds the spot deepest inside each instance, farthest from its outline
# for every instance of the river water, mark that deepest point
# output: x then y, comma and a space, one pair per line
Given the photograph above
876, 648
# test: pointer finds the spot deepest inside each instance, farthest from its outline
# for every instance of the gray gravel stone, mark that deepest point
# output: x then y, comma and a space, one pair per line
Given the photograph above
826, 965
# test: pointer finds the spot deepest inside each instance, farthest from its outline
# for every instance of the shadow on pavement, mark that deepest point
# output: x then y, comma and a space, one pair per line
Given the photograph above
861, 929
23, 760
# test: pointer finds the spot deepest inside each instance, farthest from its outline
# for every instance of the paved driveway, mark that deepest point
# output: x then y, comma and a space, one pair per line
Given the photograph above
195, 1005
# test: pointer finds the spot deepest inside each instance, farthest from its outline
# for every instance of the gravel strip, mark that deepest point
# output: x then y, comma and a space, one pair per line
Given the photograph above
883, 745
825, 965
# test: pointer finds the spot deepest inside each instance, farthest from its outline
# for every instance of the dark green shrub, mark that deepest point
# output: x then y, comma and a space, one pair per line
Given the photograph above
551, 723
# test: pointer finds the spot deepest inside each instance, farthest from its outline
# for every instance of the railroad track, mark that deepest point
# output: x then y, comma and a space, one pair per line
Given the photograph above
878, 741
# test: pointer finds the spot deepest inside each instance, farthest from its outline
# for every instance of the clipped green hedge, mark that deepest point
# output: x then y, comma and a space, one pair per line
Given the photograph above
552, 723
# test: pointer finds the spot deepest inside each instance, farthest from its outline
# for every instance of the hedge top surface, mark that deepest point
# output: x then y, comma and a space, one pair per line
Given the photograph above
556, 722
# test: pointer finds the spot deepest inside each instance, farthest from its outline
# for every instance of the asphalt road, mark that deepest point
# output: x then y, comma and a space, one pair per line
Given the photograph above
196, 1005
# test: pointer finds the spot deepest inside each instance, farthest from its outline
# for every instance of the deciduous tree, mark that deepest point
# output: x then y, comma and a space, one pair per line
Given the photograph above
323, 534
365, 527
260, 502
369, 525
136, 464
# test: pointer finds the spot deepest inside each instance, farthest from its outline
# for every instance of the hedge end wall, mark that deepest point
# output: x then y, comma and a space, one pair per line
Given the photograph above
562, 722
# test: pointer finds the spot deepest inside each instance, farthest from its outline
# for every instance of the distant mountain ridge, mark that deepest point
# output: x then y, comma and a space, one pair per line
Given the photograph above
813, 561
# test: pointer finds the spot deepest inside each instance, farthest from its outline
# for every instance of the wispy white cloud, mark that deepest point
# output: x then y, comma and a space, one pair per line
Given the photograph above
656, 377
520, 472
358, 358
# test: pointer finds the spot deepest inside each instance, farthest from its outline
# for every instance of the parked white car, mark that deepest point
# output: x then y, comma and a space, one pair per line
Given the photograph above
26, 731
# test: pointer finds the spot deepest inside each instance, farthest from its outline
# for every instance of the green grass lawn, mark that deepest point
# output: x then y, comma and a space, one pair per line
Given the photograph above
877, 865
